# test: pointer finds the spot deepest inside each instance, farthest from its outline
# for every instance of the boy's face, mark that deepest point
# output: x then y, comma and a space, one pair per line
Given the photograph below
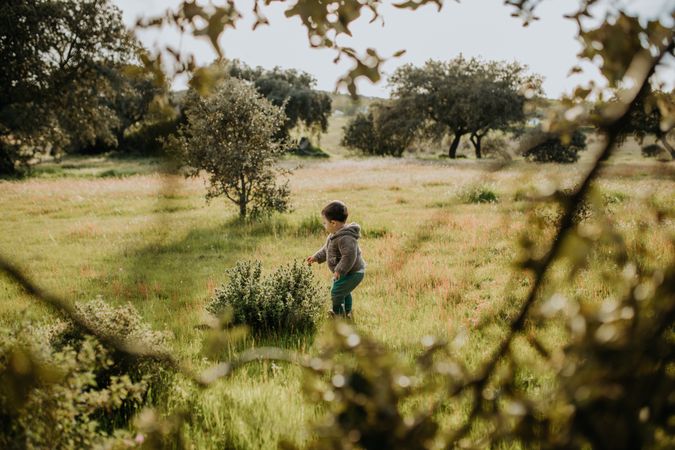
331, 225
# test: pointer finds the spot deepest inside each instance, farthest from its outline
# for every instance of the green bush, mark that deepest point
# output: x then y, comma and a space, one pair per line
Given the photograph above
122, 323
148, 139
360, 134
548, 147
306, 148
375, 233
388, 129
57, 374
285, 302
480, 194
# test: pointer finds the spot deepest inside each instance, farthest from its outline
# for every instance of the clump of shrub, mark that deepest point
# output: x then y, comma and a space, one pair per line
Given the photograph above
287, 301
57, 374
375, 233
307, 149
149, 138
652, 151
495, 145
124, 324
479, 194
543, 147
388, 129
613, 197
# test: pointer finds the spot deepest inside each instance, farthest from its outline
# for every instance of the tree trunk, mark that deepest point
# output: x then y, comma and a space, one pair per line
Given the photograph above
475, 140
452, 152
7, 165
666, 144
243, 198
121, 142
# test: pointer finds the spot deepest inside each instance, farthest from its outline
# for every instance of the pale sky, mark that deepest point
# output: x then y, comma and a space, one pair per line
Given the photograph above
482, 28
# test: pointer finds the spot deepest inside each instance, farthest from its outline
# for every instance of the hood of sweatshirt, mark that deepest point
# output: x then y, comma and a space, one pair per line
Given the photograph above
353, 230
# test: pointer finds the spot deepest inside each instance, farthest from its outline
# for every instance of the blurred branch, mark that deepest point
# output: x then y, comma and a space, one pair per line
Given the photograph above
67, 310
204, 379
614, 121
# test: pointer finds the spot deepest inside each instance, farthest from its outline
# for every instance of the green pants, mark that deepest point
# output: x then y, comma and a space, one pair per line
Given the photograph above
341, 292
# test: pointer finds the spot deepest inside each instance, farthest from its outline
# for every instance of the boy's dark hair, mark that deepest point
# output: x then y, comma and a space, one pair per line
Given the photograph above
335, 210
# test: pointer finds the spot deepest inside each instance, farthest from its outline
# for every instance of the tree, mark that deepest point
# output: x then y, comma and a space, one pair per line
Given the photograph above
139, 103
646, 118
387, 129
54, 78
464, 96
498, 97
230, 136
360, 134
294, 91
135, 91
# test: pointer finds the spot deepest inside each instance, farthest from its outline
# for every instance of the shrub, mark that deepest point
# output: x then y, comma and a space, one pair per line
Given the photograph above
480, 194
124, 324
375, 233
652, 151
548, 147
360, 134
306, 148
149, 138
387, 129
495, 145
71, 379
285, 302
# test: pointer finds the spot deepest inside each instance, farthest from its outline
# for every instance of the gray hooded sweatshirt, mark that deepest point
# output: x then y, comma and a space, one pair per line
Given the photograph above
342, 251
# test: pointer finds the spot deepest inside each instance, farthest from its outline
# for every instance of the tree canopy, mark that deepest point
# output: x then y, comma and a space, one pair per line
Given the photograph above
465, 96
230, 135
62, 61
388, 128
291, 89
646, 118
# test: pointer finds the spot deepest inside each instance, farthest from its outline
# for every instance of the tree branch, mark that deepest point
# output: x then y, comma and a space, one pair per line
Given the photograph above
137, 350
612, 128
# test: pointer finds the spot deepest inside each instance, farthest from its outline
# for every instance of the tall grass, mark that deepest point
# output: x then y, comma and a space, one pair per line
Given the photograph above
435, 265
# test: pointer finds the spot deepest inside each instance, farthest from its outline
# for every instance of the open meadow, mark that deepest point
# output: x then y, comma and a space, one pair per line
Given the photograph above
441, 240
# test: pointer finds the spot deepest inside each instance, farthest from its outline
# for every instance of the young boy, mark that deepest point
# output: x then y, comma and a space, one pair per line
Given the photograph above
343, 255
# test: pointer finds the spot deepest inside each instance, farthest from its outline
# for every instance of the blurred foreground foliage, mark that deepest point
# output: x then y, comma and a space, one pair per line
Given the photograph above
613, 379
612, 383
63, 388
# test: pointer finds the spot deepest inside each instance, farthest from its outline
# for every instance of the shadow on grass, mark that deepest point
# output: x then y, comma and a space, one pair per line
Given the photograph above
165, 278
170, 280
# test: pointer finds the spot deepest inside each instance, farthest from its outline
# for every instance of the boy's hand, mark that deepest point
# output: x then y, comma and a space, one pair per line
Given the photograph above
336, 276
310, 260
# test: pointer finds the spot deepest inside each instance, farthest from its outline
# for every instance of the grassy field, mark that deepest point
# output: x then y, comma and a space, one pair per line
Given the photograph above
437, 262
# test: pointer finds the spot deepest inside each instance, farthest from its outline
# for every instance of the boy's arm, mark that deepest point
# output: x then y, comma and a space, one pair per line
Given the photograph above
320, 256
349, 251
